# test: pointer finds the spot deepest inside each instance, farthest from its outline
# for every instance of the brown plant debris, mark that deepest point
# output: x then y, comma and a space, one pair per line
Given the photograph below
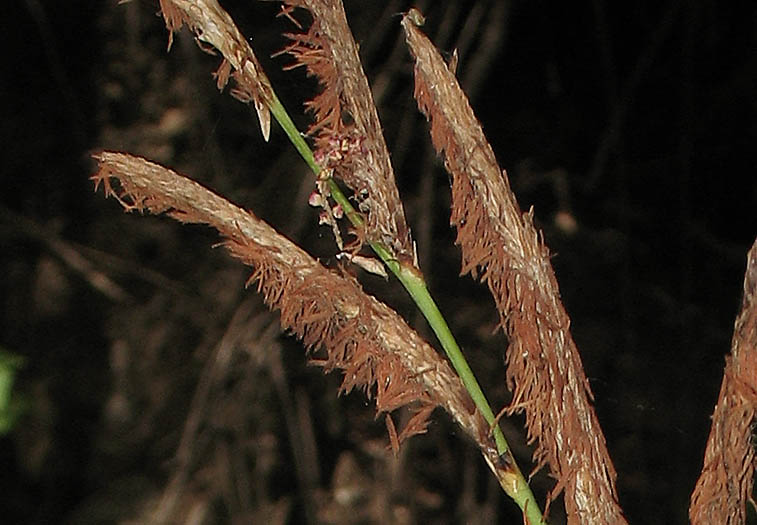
373, 347
501, 246
727, 478
213, 26
347, 132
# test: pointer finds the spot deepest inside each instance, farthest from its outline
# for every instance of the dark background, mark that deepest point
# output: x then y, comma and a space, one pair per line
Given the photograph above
157, 387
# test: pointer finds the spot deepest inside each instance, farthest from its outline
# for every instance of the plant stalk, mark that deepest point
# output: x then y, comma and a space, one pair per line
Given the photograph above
517, 487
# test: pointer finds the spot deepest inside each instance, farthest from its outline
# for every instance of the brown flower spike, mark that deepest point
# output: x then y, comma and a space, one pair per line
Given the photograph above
347, 131
501, 246
213, 26
375, 349
727, 478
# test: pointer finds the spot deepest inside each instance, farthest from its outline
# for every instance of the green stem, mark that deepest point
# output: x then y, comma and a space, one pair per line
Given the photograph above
417, 289
282, 117
415, 285
519, 491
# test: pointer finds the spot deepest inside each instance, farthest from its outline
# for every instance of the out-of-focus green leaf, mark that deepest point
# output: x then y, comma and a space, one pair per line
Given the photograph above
11, 407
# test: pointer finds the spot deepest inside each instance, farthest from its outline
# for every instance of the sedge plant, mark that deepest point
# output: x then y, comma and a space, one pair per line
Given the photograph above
364, 338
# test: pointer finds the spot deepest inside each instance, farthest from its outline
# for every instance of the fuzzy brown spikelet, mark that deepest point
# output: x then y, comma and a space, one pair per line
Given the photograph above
501, 246
727, 478
213, 26
372, 346
347, 130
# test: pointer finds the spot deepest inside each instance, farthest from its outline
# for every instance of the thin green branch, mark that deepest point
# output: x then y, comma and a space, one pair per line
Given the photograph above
410, 279
282, 117
415, 285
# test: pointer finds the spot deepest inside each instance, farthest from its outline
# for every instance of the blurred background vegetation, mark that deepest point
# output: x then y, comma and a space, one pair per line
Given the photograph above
154, 386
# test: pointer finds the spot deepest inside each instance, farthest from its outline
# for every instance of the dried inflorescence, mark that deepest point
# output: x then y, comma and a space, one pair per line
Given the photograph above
501, 246
727, 478
347, 131
213, 26
373, 347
